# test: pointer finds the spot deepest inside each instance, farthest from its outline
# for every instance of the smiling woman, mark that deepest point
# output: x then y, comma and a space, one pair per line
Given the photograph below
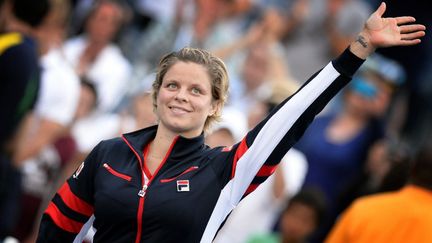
181, 190
184, 100
206, 74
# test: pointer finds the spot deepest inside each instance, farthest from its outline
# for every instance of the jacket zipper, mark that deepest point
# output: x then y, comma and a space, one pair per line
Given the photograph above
146, 181
192, 168
145, 184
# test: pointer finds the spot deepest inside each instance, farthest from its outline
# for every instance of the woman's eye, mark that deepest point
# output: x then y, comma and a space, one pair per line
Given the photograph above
196, 91
171, 86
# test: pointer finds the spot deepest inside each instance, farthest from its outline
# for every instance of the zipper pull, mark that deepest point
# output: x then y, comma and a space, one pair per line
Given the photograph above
142, 192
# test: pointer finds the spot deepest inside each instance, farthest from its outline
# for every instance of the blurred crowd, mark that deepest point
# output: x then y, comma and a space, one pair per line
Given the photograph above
97, 61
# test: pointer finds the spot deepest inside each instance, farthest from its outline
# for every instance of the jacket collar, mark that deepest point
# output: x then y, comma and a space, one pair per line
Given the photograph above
183, 147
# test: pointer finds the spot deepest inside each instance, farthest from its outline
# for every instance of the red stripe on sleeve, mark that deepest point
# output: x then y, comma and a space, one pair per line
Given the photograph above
74, 202
242, 148
251, 188
62, 221
266, 170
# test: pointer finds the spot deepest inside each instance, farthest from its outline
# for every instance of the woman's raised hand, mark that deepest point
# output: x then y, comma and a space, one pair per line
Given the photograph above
386, 32
399, 31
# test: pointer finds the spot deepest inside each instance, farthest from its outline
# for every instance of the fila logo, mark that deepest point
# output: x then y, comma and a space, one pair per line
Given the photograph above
183, 186
78, 171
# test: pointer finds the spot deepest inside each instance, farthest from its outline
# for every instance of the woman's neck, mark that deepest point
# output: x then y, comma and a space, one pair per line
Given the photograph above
158, 149
162, 141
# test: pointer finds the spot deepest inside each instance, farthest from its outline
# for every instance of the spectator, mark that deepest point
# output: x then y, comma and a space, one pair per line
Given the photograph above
315, 28
401, 216
253, 83
19, 76
229, 130
91, 125
59, 91
44, 144
18, 49
95, 57
209, 24
385, 169
303, 214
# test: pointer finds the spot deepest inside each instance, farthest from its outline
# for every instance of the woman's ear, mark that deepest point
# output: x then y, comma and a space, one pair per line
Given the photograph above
216, 108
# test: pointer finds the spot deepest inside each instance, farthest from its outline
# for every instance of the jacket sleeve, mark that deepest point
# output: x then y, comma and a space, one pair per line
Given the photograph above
255, 158
72, 206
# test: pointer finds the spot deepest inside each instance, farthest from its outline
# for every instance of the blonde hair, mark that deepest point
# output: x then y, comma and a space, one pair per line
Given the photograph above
216, 70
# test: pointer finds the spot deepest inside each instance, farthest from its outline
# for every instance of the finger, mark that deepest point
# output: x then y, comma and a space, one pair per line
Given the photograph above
404, 20
412, 36
381, 9
411, 28
409, 42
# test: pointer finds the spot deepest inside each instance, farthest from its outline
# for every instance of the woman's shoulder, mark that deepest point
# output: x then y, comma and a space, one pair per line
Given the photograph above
115, 141
111, 145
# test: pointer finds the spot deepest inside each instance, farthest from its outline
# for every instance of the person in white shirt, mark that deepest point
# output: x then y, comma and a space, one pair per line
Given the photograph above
95, 57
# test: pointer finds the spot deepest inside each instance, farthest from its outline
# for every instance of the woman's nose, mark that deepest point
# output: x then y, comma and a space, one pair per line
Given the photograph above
181, 95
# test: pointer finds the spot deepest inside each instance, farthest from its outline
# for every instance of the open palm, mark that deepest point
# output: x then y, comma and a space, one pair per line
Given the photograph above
385, 32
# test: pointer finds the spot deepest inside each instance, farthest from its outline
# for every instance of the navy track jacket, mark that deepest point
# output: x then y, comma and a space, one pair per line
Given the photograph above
195, 188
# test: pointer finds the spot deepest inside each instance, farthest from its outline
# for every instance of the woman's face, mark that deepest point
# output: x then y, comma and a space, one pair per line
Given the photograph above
185, 99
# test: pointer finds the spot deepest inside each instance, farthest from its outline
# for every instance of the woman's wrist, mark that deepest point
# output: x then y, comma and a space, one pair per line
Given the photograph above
361, 46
